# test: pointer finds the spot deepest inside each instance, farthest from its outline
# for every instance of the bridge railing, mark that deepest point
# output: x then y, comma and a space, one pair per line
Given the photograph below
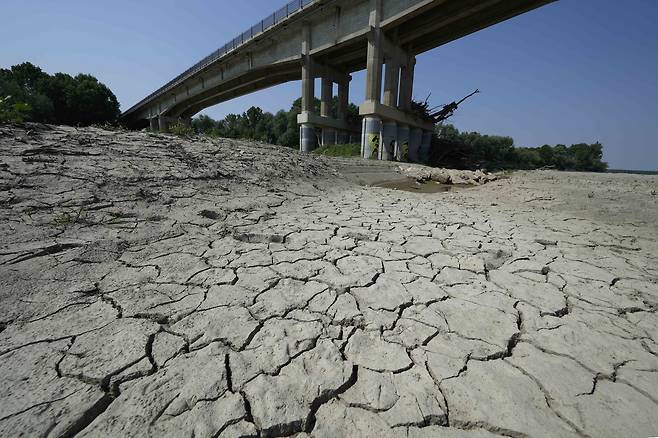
269, 21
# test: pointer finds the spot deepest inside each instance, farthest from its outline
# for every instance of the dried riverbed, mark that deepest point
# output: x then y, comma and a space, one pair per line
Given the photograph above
156, 286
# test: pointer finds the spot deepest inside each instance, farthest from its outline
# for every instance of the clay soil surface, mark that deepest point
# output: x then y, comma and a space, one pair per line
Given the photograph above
154, 286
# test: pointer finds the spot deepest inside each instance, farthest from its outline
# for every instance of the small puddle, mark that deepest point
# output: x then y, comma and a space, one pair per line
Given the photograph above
411, 185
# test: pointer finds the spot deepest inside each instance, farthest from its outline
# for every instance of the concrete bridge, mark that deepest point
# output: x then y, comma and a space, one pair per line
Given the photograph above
329, 39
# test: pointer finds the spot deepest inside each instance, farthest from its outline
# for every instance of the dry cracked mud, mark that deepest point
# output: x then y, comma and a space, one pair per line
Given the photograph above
157, 286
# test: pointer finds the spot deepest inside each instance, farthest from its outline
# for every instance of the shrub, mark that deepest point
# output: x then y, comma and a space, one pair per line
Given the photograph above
13, 112
181, 129
339, 150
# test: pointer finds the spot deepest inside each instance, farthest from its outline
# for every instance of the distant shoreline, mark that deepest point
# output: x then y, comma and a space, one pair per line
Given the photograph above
639, 172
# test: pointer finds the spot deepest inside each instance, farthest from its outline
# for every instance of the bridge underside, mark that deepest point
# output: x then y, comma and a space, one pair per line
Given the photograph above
329, 40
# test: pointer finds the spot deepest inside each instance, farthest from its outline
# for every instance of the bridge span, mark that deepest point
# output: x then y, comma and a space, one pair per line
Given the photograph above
330, 39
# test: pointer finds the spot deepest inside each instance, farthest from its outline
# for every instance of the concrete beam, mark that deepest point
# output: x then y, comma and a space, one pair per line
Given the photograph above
376, 109
327, 71
328, 122
393, 51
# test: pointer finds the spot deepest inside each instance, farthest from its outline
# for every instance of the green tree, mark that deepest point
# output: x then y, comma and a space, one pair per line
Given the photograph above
204, 124
60, 98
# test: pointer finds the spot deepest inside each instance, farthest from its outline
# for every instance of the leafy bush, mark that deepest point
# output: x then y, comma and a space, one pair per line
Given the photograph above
13, 112
339, 150
181, 129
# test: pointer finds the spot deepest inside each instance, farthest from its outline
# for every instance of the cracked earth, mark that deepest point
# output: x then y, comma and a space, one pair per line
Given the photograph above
157, 286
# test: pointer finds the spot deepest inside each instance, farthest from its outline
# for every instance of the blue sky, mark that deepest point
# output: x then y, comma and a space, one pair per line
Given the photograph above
573, 71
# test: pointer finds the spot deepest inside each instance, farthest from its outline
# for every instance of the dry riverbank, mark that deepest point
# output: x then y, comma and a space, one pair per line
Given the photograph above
156, 286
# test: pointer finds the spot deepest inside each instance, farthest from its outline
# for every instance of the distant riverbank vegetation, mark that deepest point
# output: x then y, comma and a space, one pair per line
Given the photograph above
28, 94
280, 128
471, 150
450, 147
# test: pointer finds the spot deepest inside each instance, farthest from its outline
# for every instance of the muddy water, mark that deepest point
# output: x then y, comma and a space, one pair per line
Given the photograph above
411, 185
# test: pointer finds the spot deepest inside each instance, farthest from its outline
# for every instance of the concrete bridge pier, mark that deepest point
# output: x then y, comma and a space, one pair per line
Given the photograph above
153, 124
306, 129
389, 140
163, 123
402, 148
388, 120
342, 135
306, 137
371, 134
415, 140
326, 94
425, 146
332, 129
390, 130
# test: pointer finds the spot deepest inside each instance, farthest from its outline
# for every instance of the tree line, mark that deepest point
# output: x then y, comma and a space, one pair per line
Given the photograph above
28, 94
471, 150
450, 147
280, 128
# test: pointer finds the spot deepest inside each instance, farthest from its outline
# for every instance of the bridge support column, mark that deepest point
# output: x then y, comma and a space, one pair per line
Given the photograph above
163, 123
391, 80
372, 125
153, 124
425, 147
306, 137
328, 136
306, 130
326, 94
342, 137
389, 140
370, 137
402, 150
415, 140
407, 84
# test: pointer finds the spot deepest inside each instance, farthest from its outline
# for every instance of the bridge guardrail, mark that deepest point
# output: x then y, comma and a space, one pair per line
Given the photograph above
269, 21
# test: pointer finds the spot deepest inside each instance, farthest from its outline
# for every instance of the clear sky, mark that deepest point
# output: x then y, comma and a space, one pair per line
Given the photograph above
572, 71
